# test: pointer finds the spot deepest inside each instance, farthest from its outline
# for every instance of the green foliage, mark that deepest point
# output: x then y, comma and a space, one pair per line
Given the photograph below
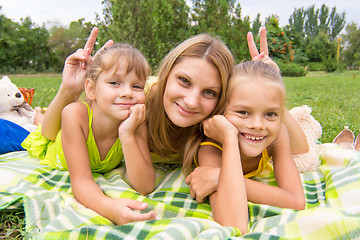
256, 25
152, 26
291, 69
320, 48
352, 42
23, 46
279, 44
313, 33
156, 26
295, 29
222, 18
330, 64
63, 42
315, 66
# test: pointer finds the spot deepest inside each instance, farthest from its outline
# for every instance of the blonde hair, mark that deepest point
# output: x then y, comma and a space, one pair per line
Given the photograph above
165, 137
109, 57
255, 71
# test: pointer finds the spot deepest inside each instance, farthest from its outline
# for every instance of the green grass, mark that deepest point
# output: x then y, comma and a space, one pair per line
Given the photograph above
333, 97
46, 86
12, 225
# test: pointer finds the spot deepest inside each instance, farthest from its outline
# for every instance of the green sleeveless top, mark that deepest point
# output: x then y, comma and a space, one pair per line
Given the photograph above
54, 155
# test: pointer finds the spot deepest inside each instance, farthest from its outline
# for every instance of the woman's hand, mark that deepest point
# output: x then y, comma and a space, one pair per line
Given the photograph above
202, 182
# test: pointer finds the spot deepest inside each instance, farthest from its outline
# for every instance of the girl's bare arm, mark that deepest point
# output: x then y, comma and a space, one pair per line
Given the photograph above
85, 189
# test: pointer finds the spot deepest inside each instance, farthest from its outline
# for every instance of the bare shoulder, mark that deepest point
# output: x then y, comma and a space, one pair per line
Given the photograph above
75, 108
75, 113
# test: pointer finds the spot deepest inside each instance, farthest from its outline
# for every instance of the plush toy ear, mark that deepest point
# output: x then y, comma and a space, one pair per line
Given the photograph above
90, 89
5, 79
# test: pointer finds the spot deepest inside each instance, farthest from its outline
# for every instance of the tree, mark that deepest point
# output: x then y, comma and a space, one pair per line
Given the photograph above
337, 23
309, 27
256, 25
351, 40
23, 46
222, 18
311, 23
236, 38
152, 26
280, 46
308, 23
212, 16
65, 41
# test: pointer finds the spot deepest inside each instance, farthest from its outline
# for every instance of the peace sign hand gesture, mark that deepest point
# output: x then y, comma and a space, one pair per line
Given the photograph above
264, 51
75, 66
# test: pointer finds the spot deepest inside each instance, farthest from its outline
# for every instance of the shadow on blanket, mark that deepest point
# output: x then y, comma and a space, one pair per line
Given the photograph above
332, 209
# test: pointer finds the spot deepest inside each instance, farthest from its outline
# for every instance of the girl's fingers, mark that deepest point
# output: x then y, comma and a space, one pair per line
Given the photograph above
263, 41
109, 43
92, 39
252, 47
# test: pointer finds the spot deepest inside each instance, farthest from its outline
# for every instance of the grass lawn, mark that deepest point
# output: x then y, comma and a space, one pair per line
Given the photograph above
333, 97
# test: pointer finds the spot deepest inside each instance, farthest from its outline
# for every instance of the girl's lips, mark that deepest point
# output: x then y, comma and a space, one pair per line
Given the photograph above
183, 111
126, 105
252, 138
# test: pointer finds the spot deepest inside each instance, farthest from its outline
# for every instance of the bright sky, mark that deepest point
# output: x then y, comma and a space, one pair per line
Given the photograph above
65, 11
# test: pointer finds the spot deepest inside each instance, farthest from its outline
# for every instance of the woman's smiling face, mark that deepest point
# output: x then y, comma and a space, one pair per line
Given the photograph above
192, 91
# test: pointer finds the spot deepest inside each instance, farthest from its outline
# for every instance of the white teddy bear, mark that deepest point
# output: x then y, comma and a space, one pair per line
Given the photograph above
13, 107
307, 161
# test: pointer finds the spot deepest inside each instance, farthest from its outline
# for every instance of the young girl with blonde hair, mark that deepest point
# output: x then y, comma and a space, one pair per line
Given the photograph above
242, 142
96, 134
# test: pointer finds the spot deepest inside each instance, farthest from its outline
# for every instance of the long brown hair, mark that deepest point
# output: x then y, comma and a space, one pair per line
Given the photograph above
165, 138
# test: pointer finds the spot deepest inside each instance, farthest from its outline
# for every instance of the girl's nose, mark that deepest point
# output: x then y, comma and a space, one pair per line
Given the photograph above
125, 91
257, 122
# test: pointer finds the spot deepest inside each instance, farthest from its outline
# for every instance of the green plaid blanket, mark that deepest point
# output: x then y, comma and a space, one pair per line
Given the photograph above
51, 212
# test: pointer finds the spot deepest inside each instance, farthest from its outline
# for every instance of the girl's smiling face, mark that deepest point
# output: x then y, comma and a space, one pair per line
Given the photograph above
192, 91
116, 91
254, 109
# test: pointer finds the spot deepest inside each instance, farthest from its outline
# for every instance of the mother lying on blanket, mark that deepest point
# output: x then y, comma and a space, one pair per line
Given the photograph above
191, 84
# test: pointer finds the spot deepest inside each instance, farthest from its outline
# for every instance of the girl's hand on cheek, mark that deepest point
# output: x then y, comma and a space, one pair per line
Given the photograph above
219, 128
134, 121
